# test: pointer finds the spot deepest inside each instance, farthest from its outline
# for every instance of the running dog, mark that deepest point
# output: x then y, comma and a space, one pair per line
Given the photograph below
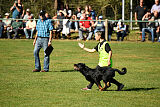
100, 73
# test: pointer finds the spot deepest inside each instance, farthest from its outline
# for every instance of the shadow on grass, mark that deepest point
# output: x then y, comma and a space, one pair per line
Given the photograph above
140, 89
135, 89
68, 71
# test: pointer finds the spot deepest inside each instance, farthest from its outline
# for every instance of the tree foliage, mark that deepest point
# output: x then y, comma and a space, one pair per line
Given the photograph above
111, 9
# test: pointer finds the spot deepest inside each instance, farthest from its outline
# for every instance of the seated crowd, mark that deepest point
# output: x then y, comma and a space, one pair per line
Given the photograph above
67, 23
152, 17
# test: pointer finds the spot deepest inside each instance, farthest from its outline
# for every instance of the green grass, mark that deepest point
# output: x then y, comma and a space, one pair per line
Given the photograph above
60, 87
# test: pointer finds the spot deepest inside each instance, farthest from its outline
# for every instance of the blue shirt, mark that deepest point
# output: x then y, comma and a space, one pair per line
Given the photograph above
44, 27
15, 13
93, 14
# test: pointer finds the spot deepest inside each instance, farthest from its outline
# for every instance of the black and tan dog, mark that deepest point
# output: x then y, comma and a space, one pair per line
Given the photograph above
100, 73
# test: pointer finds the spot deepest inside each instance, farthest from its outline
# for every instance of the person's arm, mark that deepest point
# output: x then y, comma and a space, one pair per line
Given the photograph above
144, 17
65, 14
35, 39
135, 15
23, 11
158, 29
86, 49
15, 6
12, 7
50, 38
109, 58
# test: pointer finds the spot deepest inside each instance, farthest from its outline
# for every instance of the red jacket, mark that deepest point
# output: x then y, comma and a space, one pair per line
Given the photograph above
86, 24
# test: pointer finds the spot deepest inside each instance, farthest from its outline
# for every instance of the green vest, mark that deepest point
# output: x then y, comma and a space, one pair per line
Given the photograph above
103, 55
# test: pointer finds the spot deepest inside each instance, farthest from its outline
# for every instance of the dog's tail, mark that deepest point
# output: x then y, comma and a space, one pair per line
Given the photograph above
124, 71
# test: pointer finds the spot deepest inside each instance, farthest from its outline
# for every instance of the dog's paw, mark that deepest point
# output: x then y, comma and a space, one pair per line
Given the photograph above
102, 89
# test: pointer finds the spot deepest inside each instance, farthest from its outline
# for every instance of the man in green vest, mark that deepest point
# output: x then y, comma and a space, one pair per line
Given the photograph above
105, 57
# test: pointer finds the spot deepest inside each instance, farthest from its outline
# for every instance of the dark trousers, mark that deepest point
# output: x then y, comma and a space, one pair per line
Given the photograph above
141, 25
121, 34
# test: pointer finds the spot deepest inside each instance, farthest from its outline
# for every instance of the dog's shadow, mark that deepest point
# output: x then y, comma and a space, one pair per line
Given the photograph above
68, 71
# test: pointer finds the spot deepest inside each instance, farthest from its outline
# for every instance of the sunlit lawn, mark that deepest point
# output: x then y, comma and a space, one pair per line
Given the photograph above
61, 87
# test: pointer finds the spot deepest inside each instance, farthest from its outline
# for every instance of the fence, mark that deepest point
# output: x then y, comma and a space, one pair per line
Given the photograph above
106, 22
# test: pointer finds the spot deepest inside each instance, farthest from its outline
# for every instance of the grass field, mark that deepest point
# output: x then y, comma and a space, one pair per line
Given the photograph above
60, 87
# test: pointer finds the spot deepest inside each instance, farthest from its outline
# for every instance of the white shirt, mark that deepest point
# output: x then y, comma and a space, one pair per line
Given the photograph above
31, 24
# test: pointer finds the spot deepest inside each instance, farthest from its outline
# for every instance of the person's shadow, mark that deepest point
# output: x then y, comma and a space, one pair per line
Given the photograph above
140, 89
135, 89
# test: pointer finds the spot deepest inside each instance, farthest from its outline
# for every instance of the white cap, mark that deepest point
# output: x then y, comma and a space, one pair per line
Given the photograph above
6, 14
28, 10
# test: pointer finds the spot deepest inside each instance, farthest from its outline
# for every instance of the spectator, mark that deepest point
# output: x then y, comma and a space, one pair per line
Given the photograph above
16, 27
86, 26
30, 27
61, 15
68, 11
158, 32
99, 25
2, 24
110, 30
87, 10
47, 16
17, 9
7, 22
121, 30
93, 13
43, 39
75, 23
82, 14
78, 13
150, 27
139, 13
27, 15
156, 7
76, 16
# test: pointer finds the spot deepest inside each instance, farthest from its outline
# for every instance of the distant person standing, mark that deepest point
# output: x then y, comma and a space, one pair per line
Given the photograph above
156, 7
17, 9
139, 13
42, 40
2, 24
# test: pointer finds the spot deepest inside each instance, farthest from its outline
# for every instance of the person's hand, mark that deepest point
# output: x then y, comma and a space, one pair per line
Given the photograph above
15, 4
49, 43
136, 21
34, 42
109, 63
81, 45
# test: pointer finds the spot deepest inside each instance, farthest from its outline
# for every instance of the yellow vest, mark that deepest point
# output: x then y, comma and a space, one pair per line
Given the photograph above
103, 55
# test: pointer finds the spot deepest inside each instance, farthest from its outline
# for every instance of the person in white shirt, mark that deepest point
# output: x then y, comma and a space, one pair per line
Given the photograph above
156, 7
30, 26
7, 25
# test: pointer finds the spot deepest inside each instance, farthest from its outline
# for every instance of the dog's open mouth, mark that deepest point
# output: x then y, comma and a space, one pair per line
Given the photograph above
76, 68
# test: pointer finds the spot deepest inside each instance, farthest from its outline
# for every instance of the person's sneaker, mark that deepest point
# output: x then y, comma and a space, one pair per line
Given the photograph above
120, 87
85, 88
43, 71
36, 70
